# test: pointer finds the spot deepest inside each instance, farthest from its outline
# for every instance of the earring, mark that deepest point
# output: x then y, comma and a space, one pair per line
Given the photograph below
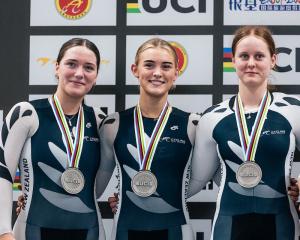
173, 87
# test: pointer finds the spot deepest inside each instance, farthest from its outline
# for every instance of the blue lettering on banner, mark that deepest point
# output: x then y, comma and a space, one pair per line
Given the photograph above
264, 5
235, 4
251, 5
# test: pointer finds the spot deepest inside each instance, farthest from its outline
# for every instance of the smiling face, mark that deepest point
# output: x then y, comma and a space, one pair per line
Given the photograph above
156, 71
76, 72
253, 61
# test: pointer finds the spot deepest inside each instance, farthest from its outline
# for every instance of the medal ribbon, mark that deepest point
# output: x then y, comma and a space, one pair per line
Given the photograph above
250, 143
74, 149
146, 153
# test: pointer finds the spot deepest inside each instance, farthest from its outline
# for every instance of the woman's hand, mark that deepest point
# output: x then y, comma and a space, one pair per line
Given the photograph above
293, 190
113, 203
20, 204
7, 236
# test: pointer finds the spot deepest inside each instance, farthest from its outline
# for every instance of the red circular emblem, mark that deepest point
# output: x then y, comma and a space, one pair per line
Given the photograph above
73, 9
182, 56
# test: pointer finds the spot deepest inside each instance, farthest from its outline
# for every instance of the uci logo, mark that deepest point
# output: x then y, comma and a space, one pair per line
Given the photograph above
288, 68
159, 6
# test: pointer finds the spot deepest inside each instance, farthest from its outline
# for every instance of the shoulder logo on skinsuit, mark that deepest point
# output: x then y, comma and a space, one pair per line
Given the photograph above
73, 9
173, 128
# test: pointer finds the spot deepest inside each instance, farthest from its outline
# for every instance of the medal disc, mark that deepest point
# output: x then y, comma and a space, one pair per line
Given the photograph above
249, 174
144, 183
72, 180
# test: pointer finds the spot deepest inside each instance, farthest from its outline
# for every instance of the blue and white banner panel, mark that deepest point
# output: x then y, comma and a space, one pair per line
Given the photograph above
73, 13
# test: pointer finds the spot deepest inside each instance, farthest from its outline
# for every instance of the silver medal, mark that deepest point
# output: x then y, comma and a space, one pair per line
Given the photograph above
144, 183
72, 180
249, 174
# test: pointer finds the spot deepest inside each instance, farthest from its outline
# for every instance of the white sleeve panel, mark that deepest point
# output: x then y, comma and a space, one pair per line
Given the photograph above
291, 111
108, 134
20, 124
205, 160
295, 111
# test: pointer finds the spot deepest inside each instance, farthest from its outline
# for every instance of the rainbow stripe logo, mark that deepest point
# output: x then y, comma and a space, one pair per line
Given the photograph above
133, 6
17, 181
227, 60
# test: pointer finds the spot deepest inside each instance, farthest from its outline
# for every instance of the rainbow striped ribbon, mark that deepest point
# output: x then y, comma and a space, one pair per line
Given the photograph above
74, 149
146, 153
250, 143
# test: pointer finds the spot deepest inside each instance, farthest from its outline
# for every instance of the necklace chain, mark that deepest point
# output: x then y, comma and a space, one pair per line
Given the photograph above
69, 119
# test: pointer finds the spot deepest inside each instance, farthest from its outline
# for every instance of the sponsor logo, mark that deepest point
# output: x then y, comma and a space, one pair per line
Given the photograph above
182, 56
264, 5
44, 61
273, 132
17, 181
288, 67
173, 128
133, 6
151, 6
172, 140
227, 60
88, 125
73, 9
91, 139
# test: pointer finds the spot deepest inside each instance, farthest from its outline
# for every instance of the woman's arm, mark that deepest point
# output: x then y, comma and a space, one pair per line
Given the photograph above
20, 124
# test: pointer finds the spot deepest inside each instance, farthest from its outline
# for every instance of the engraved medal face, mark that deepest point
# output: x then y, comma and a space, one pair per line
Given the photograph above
72, 180
249, 174
144, 183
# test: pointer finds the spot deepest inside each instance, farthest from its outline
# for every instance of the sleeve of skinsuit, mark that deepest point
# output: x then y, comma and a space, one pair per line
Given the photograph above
19, 125
205, 160
290, 108
192, 124
108, 132
296, 121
